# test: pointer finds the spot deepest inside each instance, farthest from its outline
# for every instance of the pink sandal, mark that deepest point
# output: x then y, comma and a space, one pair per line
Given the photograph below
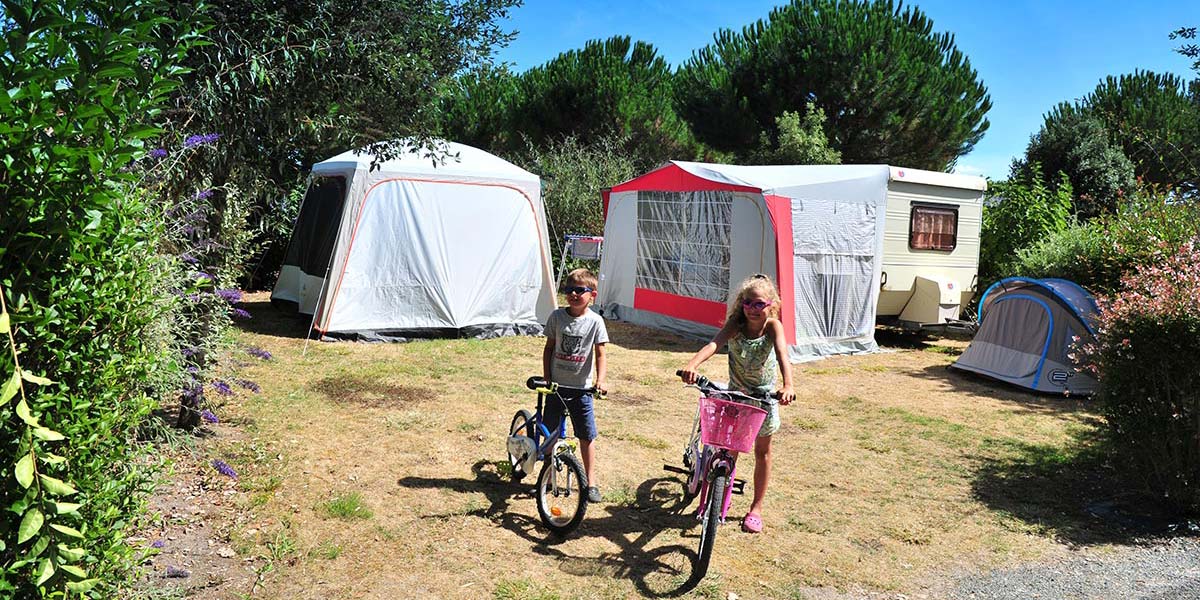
752, 523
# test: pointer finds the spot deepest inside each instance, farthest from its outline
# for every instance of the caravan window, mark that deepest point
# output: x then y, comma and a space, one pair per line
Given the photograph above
683, 243
933, 227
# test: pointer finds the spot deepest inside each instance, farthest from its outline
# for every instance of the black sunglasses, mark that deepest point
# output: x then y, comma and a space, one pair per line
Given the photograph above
577, 289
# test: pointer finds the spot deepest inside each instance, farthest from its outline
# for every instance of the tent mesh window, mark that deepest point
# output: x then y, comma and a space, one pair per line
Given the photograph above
683, 243
316, 227
933, 227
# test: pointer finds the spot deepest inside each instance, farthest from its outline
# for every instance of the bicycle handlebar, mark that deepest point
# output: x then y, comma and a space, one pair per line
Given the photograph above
536, 382
708, 387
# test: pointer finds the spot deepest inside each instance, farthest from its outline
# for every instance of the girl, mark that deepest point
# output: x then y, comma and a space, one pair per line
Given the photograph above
755, 338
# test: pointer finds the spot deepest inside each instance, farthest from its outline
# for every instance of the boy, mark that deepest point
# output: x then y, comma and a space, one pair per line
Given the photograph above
575, 337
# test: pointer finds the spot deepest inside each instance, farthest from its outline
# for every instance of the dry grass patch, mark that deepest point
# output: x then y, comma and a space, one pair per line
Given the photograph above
890, 471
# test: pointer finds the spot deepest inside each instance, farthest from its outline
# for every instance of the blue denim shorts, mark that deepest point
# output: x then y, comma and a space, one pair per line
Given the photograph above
583, 418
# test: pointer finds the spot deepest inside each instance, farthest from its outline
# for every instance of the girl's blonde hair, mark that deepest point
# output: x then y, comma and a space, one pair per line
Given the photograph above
755, 283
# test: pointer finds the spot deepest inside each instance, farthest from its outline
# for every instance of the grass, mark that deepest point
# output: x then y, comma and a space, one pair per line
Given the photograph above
890, 471
347, 507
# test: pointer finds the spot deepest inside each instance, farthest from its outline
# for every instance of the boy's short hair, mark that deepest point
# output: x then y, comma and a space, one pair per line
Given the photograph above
582, 277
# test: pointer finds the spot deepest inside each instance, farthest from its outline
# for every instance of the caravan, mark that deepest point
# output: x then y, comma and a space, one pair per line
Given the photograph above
847, 244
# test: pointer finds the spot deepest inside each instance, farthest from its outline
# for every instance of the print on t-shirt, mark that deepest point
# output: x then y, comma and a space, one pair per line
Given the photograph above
571, 348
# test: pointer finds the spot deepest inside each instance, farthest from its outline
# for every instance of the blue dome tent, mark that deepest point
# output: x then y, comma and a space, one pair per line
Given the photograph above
1027, 329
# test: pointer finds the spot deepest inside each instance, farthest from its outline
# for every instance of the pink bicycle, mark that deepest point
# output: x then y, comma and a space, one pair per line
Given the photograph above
727, 422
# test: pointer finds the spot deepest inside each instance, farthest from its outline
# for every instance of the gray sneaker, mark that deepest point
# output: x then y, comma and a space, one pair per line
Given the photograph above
593, 494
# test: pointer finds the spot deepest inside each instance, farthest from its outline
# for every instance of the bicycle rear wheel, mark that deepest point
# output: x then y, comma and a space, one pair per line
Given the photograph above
562, 493
708, 524
522, 424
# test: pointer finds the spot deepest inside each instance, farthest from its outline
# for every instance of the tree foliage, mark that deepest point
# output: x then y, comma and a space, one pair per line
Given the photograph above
286, 84
610, 89
894, 91
1079, 146
796, 141
1148, 120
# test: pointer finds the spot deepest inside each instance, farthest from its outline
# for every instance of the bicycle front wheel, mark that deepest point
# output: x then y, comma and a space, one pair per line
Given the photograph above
562, 493
708, 524
522, 424
695, 459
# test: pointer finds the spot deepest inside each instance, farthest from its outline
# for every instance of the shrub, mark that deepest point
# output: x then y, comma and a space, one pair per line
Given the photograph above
1146, 351
1017, 214
1096, 254
573, 174
82, 282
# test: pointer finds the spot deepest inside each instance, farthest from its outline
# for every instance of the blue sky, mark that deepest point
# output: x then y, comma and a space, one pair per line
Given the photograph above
1030, 54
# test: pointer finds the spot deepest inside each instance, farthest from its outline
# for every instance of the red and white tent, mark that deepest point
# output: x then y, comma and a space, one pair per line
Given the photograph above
678, 240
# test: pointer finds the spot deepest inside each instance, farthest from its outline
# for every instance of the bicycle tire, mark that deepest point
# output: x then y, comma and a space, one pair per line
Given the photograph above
553, 499
708, 525
694, 461
522, 424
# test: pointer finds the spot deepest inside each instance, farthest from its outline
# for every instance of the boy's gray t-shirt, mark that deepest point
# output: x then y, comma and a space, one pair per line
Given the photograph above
575, 338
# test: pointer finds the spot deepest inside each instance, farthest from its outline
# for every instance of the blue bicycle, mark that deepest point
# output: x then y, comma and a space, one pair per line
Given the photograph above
561, 490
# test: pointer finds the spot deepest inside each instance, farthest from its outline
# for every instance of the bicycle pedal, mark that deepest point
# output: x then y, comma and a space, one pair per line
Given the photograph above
739, 486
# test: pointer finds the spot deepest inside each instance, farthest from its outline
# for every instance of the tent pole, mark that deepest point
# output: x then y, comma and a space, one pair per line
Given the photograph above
320, 302
313, 321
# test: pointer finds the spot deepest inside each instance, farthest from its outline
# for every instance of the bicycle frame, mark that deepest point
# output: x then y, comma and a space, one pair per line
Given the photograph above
541, 432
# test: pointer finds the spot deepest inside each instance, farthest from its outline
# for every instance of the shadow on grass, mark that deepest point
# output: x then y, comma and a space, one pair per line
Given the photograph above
267, 319
972, 385
1074, 494
657, 570
636, 337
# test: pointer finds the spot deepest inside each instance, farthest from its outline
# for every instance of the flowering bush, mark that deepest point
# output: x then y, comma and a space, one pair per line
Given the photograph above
1147, 356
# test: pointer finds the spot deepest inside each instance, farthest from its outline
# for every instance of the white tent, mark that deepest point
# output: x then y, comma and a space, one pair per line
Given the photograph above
417, 249
679, 239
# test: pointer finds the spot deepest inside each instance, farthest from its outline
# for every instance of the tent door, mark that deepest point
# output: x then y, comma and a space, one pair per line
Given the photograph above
1020, 334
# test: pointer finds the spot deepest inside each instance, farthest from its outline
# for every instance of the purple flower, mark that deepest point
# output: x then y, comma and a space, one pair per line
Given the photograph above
189, 351
238, 313
176, 572
193, 369
157, 544
158, 153
201, 195
208, 416
200, 140
250, 385
193, 393
259, 352
231, 296
223, 468
222, 387
189, 259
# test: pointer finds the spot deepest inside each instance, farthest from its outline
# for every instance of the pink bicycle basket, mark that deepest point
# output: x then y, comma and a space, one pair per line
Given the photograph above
729, 425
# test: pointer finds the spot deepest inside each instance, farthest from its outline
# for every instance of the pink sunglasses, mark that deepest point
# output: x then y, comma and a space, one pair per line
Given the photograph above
757, 304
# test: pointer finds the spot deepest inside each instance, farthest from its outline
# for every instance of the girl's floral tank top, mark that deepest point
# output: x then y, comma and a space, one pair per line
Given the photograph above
751, 363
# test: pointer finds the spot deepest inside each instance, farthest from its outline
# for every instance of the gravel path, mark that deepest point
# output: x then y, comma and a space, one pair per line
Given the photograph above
1158, 570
